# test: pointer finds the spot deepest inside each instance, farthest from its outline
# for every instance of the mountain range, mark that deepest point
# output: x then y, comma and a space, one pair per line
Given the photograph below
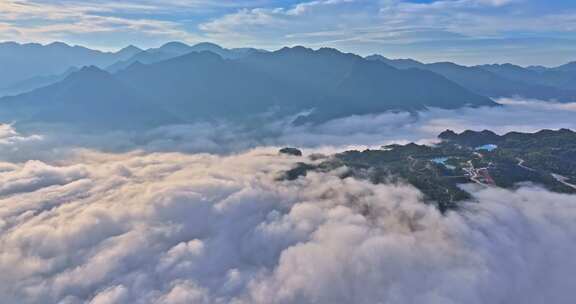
502, 80
175, 49
179, 83
23, 62
204, 85
34, 65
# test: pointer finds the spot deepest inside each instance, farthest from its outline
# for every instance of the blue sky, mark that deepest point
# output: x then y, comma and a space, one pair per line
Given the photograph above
467, 31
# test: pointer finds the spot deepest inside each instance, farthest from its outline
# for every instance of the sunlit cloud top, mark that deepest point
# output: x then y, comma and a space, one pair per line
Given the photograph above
467, 31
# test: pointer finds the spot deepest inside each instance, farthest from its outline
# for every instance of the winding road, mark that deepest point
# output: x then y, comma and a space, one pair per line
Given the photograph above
558, 177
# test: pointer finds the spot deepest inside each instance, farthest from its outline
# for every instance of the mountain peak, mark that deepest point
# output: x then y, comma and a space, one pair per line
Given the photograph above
295, 50
58, 44
448, 135
91, 69
174, 44
128, 52
174, 48
377, 57
207, 45
396, 63
329, 50
130, 49
89, 73
568, 67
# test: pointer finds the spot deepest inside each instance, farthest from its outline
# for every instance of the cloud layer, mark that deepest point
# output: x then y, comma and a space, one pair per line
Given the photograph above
175, 228
161, 223
49, 143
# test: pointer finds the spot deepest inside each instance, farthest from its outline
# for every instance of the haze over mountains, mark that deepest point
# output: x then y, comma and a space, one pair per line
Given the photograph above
178, 83
175, 49
157, 178
34, 65
23, 62
502, 80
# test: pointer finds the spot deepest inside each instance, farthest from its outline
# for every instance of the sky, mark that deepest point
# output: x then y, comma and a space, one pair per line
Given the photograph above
524, 32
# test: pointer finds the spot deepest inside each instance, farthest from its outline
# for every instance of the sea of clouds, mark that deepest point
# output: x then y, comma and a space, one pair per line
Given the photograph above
196, 214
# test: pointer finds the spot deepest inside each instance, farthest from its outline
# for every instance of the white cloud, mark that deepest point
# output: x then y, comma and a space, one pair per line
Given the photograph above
381, 129
363, 26
376, 26
175, 228
39, 21
112, 295
350, 132
149, 226
252, 22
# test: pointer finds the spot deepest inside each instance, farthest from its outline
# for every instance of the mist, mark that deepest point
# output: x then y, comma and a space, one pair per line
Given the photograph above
196, 214
175, 228
224, 137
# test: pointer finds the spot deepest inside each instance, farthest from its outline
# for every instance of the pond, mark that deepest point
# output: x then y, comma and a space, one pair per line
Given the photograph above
488, 147
442, 161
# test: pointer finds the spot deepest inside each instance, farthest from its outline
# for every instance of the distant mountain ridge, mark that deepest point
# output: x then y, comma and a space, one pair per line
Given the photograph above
568, 67
181, 83
88, 97
33, 66
36, 82
174, 49
204, 85
501, 80
26, 61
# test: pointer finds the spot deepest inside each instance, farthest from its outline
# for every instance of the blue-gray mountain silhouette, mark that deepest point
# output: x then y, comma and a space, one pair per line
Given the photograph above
33, 83
203, 85
89, 97
505, 80
568, 67
175, 49
561, 77
22, 62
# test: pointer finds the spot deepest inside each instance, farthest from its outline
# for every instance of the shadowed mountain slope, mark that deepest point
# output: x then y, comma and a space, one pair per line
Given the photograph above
203, 85
25, 61
499, 80
175, 49
90, 97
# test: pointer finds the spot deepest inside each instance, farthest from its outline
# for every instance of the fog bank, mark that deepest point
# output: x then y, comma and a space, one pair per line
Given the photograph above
196, 214
175, 228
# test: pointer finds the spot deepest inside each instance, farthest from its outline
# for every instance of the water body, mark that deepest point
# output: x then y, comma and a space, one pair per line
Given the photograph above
442, 161
488, 147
